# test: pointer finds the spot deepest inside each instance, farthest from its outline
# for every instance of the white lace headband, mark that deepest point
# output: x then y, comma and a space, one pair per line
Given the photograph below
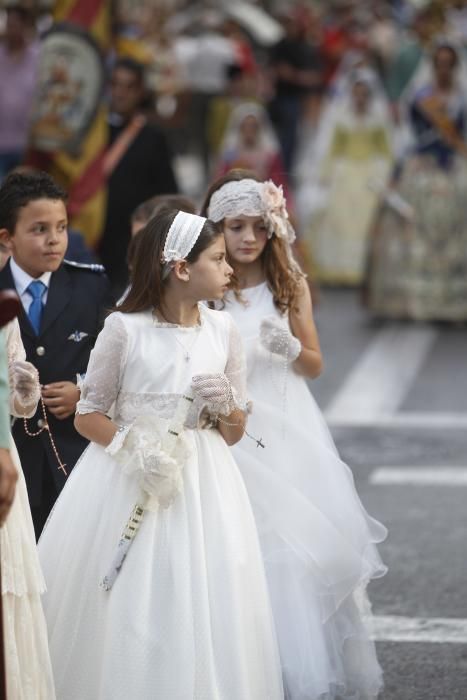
251, 198
182, 236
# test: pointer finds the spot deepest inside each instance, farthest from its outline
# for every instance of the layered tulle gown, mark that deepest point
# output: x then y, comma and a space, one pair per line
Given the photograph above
189, 616
317, 540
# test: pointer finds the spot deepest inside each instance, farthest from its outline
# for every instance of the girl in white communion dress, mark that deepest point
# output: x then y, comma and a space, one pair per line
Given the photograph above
318, 542
186, 615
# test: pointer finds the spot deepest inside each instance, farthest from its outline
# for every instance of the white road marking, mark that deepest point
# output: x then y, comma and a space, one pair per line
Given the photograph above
381, 379
423, 476
439, 630
401, 420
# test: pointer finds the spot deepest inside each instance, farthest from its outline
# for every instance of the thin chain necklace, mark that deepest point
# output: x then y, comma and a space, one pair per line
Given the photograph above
186, 350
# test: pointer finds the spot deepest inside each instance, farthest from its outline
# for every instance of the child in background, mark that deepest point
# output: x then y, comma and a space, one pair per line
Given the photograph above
147, 209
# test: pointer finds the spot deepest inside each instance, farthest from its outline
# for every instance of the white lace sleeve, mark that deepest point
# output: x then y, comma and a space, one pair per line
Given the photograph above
235, 368
17, 353
105, 369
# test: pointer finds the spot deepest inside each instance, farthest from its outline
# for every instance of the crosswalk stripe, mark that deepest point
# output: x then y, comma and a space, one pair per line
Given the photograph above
382, 377
423, 476
440, 630
401, 420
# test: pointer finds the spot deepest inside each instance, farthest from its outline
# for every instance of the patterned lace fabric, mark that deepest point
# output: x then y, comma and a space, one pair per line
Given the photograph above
130, 405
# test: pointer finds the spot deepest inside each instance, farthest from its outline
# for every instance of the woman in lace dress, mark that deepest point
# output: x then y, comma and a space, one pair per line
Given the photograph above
28, 668
317, 540
187, 614
418, 260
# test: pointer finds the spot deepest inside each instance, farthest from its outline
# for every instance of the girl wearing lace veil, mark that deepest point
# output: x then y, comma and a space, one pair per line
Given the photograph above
352, 162
418, 264
318, 543
184, 612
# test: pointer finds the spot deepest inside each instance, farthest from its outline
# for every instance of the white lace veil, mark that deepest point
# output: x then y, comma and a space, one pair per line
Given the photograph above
339, 106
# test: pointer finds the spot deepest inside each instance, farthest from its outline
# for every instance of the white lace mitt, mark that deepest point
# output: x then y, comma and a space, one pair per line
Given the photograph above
24, 381
276, 338
216, 393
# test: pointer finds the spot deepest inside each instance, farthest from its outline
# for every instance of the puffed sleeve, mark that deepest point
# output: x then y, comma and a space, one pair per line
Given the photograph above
105, 369
235, 368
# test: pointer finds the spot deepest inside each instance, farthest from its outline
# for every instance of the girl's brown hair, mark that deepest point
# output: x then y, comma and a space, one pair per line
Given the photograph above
147, 282
283, 280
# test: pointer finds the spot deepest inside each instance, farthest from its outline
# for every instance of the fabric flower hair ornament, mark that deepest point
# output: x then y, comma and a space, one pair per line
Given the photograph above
248, 197
275, 212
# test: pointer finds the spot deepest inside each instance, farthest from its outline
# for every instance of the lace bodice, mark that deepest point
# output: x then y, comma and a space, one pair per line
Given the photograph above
139, 366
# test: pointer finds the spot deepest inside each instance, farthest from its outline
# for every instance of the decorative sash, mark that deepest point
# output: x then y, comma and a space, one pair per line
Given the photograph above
434, 110
100, 169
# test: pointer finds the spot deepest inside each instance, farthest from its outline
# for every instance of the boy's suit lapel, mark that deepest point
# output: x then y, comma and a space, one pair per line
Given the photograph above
58, 296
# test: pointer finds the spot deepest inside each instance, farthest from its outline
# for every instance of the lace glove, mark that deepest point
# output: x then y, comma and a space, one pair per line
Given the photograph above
276, 338
25, 383
215, 392
140, 449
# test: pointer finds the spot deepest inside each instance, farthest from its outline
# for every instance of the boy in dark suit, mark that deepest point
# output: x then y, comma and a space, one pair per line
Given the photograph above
63, 308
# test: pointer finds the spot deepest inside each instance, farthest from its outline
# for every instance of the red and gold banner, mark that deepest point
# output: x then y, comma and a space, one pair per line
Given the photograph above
70, 107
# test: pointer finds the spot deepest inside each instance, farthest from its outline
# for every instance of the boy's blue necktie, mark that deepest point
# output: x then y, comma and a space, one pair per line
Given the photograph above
36, 290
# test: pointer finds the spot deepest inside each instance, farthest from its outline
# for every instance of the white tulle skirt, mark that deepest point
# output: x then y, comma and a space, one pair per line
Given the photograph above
318, 543
28, 668
189, 615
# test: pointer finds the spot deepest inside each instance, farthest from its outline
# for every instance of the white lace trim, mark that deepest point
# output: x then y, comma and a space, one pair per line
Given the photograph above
130, 405
165, 324
182, 236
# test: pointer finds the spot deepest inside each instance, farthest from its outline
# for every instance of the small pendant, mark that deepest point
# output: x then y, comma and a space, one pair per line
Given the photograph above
187, 357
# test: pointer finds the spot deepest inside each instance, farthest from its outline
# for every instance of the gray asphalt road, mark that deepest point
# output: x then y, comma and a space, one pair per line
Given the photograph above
425, 426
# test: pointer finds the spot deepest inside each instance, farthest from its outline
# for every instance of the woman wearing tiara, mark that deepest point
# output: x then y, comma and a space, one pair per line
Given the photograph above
182, 612
318, 542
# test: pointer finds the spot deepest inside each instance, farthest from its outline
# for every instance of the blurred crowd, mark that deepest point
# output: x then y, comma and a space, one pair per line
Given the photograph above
356, 107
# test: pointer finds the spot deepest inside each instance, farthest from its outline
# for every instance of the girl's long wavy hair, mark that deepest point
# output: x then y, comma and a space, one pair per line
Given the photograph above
147, 281
283, 281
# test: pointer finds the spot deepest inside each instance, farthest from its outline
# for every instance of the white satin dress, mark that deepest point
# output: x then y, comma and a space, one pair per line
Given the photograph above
318, 542
189, 616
